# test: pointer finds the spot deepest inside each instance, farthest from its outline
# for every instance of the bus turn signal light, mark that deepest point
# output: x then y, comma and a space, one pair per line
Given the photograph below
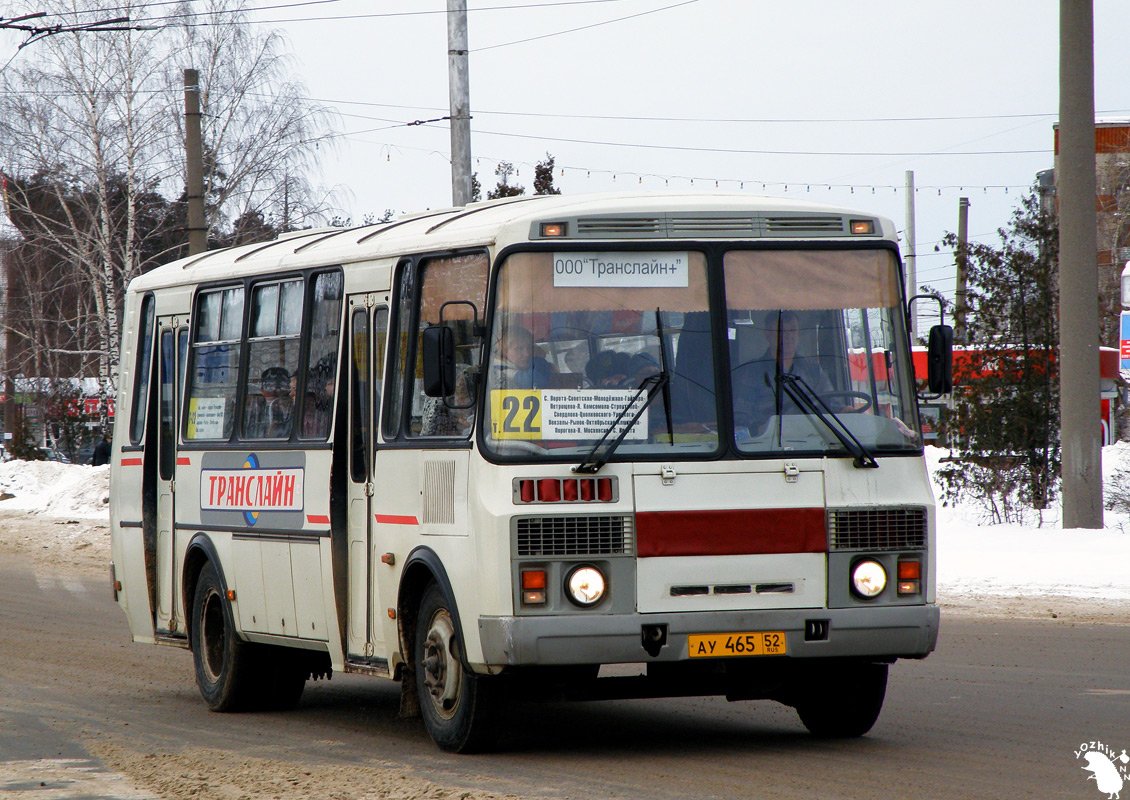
533, 587
910, 577
910, 570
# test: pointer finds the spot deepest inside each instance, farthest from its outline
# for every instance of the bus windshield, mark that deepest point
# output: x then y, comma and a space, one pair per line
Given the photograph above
580, 340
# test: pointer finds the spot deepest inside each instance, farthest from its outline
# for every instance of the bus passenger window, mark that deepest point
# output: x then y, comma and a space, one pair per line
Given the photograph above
210, 412
321, 377
274, 343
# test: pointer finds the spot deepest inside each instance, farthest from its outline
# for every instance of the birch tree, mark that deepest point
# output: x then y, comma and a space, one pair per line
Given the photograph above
91, 139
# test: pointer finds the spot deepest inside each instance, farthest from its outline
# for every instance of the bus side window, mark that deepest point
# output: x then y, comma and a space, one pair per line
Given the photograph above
379, 354
458, 279
399, 340
141, 375
216, 346
321, 377
274, 341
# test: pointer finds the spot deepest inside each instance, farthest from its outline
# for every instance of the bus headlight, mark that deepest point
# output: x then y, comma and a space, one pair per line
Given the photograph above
868, 578
585, 586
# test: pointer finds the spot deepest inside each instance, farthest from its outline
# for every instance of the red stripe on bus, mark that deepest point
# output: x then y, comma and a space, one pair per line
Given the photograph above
392, 519
131, 462
184, 461
760, 531
318, 519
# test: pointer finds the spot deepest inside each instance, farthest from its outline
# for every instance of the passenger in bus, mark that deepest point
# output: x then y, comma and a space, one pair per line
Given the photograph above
319, 398
610, 369
517, 366
756, 395
269, 414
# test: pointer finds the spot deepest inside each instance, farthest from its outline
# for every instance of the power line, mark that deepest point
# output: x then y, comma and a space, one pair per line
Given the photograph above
582, 28
340, 17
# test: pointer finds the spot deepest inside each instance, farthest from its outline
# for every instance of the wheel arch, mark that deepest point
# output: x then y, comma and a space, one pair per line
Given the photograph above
421, 567
200, 551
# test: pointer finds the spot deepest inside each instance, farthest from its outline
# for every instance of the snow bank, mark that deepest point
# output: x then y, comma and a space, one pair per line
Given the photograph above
54, 489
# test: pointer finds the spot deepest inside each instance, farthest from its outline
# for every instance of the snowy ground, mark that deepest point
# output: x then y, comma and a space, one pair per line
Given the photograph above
60, 512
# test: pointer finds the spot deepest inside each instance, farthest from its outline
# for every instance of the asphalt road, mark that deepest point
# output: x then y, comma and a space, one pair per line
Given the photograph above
999, 710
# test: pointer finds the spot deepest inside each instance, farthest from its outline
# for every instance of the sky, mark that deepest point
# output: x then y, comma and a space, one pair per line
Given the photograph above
812, 99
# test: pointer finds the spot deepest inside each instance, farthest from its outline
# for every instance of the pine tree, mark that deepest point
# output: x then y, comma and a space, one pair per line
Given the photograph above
1006, 416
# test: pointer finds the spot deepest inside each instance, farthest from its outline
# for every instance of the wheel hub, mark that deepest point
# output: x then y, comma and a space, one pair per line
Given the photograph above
441, 667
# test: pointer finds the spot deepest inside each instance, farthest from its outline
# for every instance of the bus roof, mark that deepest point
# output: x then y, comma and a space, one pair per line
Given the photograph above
635, 216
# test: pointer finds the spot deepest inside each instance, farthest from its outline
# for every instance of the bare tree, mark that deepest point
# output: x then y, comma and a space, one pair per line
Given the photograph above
261, 135
91, 136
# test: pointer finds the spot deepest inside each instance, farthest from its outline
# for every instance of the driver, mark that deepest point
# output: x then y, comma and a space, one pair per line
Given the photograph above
755, 382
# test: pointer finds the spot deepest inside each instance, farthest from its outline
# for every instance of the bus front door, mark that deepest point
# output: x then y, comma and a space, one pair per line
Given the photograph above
170, 355
364, 639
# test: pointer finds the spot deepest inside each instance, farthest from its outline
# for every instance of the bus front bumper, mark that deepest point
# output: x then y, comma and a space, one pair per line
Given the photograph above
880, 632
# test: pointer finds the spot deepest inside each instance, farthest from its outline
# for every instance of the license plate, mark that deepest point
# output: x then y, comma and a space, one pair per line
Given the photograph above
728, 645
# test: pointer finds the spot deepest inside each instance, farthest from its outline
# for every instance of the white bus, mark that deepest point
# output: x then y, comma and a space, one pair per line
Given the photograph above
597, 446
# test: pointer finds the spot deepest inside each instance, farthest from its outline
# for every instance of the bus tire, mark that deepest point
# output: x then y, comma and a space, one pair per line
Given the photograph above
847, 705
224, 663
457, 705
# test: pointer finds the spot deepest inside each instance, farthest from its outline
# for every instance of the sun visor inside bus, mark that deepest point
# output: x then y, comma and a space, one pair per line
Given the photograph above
805, 280
527, 283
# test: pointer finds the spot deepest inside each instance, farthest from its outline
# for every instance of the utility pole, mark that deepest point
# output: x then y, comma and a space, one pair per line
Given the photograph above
961, 259
911, 255
1078, 270
459, 92
194, 157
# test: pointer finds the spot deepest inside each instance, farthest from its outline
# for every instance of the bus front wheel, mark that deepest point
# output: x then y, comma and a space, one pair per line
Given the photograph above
457, 705
846, 703
222, 659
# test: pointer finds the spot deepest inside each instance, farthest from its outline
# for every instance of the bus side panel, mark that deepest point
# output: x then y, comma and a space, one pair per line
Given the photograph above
127, 540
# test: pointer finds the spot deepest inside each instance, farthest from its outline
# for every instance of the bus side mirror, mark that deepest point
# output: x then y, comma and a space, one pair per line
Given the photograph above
939, 360
438, 343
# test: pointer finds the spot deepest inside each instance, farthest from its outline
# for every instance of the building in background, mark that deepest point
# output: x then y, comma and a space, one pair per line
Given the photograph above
1112, 207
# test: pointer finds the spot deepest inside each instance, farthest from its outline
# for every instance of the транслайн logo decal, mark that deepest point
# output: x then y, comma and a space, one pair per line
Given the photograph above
1108, 768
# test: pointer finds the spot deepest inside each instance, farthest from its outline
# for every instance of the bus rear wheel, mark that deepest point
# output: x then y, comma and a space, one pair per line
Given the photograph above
223, 661
457, 705
847, 702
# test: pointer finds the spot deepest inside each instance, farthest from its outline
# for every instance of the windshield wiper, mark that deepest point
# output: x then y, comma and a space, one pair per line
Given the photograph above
653, 385
803, 395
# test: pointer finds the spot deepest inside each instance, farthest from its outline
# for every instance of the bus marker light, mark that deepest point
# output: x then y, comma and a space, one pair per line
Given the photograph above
392, 613
549, 490
908, 587
862, 226
388, 558
231, 594
553, 229
910, 570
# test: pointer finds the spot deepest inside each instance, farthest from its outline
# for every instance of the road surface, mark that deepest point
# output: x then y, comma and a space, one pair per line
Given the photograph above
1000, 710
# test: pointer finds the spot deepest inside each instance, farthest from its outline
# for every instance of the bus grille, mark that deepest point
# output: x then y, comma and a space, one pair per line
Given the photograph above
575, 536
877, 529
